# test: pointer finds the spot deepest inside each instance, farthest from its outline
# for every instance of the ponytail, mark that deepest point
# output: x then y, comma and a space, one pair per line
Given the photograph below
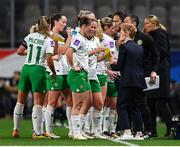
99, 32
34, 28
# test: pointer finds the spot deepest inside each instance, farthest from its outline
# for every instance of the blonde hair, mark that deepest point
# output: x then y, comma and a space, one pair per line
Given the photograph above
33, 28
126, 27
155, 19
99, 32
84, 13
42, 26
106, 21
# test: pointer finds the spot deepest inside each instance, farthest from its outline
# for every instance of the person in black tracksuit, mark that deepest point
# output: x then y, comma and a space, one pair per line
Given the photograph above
151, 60
158, 98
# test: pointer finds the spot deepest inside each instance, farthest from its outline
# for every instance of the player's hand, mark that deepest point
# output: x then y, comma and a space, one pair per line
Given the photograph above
153, 77
69, 32
77, 68
55, 57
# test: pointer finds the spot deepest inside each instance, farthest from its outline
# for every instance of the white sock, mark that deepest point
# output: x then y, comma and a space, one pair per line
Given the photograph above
43, 119
18, 112
75, 124
37, 118
97, 118
68, 115
49, 114
92, 122
82, 121
88, 121
106, 123
112, 120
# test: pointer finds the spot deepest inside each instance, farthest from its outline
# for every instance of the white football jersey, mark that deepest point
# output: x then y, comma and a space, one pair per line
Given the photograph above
80, 51
38, 46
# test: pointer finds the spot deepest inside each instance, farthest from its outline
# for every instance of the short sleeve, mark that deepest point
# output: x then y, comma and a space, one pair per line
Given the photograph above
50, 46
24, 42
76, 43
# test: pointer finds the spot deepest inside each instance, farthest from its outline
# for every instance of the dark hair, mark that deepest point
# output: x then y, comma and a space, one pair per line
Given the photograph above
134, 18
55, 17
85, 21
110, 16
121, 14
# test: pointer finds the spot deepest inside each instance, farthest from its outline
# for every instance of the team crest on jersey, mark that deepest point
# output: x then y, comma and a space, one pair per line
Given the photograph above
52, 43
139, 42
111, 44
76, 42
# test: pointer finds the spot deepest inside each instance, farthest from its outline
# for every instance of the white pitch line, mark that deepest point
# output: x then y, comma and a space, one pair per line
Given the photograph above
122, 142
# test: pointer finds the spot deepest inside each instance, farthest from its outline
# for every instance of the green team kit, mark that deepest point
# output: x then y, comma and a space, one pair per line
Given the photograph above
34, 76
78, 80
62, 69
33, 73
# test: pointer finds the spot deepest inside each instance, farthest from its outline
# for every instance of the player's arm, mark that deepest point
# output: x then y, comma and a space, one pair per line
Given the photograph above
97, 50
50, 63
22, 50
62, 49
69, 54
11, 88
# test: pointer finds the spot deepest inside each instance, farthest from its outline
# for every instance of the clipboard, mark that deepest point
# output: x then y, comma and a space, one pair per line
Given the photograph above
151, 86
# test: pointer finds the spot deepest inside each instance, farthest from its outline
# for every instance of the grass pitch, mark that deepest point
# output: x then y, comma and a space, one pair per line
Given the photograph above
6, 126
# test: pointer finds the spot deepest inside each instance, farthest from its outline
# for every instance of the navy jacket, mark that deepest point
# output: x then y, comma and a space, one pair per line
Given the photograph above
130, 64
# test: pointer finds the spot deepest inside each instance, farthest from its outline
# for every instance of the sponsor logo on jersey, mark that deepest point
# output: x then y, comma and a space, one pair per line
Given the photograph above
76, 42
111, 44
52, 43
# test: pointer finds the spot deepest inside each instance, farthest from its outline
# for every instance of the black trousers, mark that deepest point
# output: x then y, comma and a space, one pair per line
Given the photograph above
127, 105
146, 113
116, 81
159, 106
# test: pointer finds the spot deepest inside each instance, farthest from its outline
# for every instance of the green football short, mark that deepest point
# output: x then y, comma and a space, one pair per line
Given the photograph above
88, 86
102, 79
95, 86
59, 83
78, 80
33, 78
47, 80
111, 90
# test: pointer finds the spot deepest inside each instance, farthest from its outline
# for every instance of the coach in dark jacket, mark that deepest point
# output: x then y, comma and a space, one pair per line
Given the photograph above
151, 61
130, 64
159, 97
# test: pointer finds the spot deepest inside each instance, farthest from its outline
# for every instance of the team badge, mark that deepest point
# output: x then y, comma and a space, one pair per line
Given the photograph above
139, 42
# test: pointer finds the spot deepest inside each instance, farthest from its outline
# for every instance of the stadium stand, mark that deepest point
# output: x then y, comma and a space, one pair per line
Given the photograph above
174, 16
86, 5
103, 11
70, 13
161, 13
140, 11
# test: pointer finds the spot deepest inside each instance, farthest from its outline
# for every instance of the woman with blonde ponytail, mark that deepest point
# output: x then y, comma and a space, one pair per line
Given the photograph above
38, 49
158, 97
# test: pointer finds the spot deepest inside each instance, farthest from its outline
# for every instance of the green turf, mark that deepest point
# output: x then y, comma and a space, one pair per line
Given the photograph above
26, 132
